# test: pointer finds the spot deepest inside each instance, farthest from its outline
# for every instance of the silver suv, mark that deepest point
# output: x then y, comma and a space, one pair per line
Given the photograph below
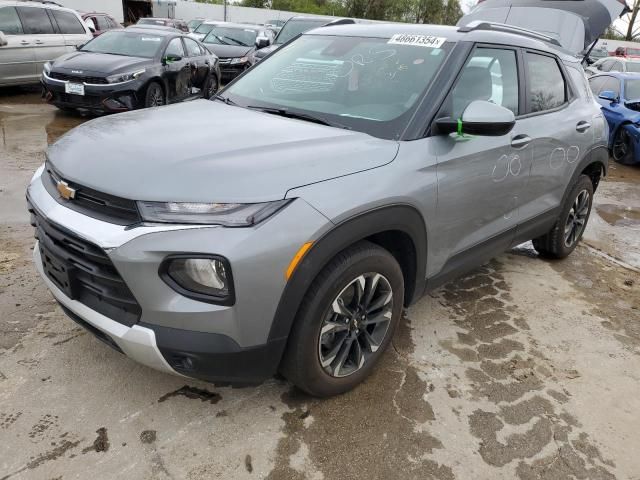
285, 225
34, 33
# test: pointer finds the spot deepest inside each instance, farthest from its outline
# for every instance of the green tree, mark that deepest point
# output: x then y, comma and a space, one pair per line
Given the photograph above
255, 3
452, 12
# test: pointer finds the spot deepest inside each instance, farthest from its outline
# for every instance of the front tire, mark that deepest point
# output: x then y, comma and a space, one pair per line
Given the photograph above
154, 96
567, 232
211, 87
623, 150
346, 321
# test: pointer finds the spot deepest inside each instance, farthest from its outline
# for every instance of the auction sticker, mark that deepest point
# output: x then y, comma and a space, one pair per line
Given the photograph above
417, 40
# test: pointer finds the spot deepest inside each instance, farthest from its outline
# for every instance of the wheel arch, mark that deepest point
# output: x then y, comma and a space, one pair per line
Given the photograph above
400, 229
163, 85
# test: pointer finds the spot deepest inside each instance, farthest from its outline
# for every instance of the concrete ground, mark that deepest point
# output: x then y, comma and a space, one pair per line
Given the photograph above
525, 369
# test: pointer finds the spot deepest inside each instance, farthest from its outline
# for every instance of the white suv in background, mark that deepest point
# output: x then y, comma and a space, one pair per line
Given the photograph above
33, 33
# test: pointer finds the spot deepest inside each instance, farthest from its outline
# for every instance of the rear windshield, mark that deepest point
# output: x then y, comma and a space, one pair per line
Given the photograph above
632, 89
125, 43
296, 27
151, 21
243, 37
361, 83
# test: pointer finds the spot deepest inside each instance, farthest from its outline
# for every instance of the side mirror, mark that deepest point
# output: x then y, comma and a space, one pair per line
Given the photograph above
608, 95
170, 59
262, 42
479, 118
4, 41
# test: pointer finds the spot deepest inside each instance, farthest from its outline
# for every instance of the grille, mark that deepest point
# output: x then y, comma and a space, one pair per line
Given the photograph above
89, 101
84, 272
99, 205
78, 78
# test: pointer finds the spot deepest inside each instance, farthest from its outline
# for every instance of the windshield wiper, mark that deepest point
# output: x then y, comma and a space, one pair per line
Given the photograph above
283, 112
237, 42
226, 100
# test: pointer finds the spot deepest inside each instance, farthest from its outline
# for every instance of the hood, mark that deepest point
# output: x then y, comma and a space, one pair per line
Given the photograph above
263, 52
229, 51
576, 24
98, 63
204, 151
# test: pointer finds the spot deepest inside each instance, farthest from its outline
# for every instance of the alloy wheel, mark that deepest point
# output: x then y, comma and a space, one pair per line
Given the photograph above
356, 324
155, 98
577, 218
621, 145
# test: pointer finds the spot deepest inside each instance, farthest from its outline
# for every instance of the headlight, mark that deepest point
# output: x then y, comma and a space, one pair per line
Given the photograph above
205, 278
239, 60
227, 214
125, 77
46, 67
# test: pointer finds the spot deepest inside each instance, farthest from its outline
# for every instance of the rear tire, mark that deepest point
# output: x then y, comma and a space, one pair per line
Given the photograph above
154, 96
345, 322
565, 235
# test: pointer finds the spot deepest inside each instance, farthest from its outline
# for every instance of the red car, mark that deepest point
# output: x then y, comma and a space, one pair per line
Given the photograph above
100, 22
627, 52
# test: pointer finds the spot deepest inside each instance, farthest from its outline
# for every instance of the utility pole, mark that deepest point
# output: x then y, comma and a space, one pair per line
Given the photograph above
225, 10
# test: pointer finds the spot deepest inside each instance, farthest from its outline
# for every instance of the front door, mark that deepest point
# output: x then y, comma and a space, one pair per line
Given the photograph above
479, 177
199, 67
17, 59
178, 73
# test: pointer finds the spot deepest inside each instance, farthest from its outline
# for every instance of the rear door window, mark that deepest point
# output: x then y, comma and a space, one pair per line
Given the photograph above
10, 21
546, 85
35, 20
68, 22
610, 84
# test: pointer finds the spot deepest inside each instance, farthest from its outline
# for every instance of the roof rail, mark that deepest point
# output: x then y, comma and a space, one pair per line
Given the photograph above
502, 27
45, 2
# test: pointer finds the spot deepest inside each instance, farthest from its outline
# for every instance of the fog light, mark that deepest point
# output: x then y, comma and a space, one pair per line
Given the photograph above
206, 279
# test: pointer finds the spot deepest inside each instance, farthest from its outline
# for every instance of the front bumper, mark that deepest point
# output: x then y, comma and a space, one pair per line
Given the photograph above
230, 71
175, 333
118, 97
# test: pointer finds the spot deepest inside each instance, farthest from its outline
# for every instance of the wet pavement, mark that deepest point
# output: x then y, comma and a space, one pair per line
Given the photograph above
524, 369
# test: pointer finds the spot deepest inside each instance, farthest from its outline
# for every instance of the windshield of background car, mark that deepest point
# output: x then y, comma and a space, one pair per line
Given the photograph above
125, 43
633, 51
194, 23
296, 27
204, 28
365, 84
238, 36
632, 89
633, 67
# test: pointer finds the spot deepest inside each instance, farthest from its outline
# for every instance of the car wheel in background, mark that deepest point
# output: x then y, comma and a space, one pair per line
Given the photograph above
623, 150
563, 238
346, 321
211, 87
154, 97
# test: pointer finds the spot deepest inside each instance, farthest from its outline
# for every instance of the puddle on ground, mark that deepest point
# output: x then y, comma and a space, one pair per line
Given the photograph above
619, 216
623, 173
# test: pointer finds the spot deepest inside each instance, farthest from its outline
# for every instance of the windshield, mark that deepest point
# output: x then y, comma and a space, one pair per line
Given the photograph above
125, 43
633, 51
632, 89
194, 23
204, 28
296, 27
365, 84
633, 67
244, 37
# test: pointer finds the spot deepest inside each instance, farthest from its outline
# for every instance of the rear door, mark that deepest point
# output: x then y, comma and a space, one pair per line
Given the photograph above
17, 58
48, 44
72, 29
561, 124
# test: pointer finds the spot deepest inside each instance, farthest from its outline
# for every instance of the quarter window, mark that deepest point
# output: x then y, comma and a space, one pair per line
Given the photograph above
9, 21
547, 89
579, 80
491, 74
35, 20
68, 22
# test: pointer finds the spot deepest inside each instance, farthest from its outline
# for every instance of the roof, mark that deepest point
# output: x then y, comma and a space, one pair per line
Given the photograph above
156, 30
452, 34
34, 3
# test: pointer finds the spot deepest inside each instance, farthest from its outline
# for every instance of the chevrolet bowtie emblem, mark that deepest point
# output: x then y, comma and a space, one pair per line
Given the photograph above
65, 190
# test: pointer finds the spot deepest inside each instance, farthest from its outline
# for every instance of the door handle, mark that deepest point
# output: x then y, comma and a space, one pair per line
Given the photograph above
520, 141
24, 42
39, 42
583, 126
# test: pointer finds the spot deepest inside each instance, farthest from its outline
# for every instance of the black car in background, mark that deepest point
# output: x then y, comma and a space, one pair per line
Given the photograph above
133, 68
235, 44
294, 27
